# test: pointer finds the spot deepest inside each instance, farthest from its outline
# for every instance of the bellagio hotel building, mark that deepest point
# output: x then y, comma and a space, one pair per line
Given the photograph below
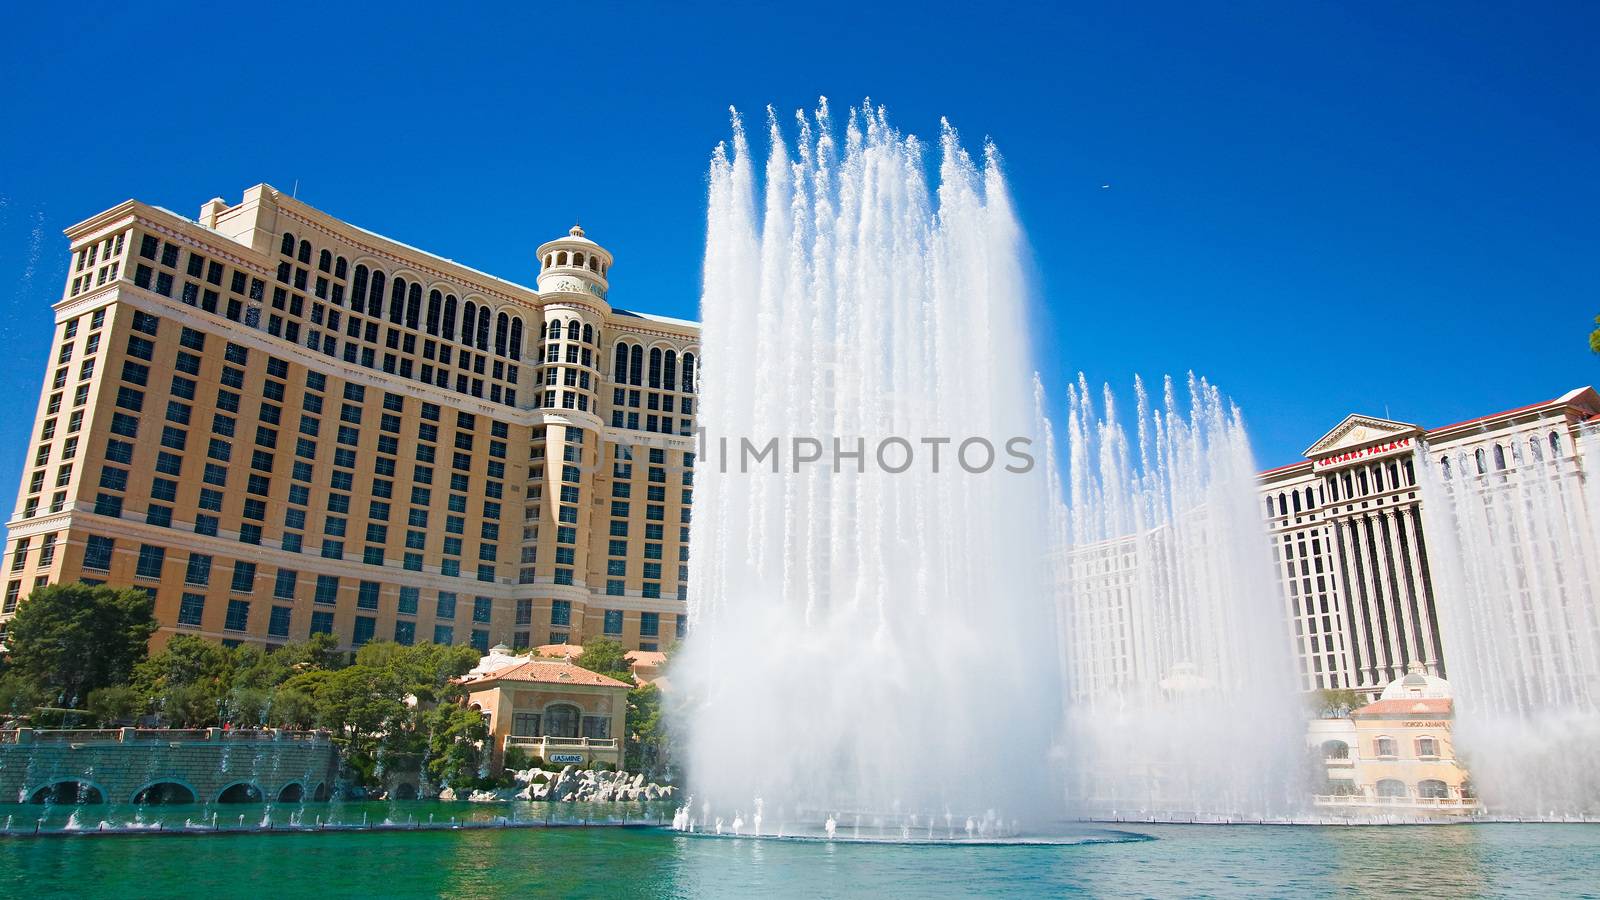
279, 424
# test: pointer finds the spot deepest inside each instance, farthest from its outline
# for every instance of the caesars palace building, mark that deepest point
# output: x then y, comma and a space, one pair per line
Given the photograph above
1348, 539
279, 424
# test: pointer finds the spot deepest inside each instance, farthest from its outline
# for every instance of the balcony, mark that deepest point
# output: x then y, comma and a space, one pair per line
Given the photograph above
581, 751
1457, 805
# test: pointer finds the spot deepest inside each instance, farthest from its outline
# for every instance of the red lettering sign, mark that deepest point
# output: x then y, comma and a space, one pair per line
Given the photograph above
1363, 453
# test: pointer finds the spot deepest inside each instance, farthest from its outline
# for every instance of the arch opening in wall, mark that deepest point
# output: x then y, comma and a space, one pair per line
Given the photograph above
240, 792
1433, 789
1391, 787
68, 790
287, 249
321, 793
293, 792
448, 327
1335, 750
164, 793
305, 252
375, 299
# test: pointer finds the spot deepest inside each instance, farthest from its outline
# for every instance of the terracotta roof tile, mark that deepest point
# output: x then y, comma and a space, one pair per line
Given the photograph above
545, 671
1429, 706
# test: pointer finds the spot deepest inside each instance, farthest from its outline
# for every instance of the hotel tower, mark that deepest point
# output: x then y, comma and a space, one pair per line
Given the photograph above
279, 424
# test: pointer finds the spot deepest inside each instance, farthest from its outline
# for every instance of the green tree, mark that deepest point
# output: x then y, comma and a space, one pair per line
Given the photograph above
1594, 337
1334, 701
606, 657
456, 738
69, 639
115, 704
645, 745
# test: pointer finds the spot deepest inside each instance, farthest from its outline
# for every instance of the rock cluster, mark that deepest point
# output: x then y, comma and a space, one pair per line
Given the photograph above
573, 785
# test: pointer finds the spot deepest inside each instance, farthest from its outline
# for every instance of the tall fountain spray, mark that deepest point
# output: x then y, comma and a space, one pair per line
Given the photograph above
1512, 526
1180, 696
873, 636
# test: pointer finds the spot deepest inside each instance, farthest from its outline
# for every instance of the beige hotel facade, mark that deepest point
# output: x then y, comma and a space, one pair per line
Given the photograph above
1348, 535
280, 424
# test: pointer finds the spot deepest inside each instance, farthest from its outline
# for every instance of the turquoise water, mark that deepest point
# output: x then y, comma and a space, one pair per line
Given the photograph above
1188, 861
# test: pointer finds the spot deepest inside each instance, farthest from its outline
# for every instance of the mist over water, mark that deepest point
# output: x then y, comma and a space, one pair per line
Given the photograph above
867, 641
1512, 529
1181, 698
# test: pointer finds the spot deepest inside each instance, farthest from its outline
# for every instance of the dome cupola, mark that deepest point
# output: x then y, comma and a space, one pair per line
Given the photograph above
574, 264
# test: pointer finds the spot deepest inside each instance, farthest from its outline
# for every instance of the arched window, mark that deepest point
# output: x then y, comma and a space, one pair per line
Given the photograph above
483, 329
688, 373
340, 267
669, 375
547, 259
447, 329
1361, 479
635, 364
577, 260
1499, 457
516, 337
502, 331
325, 261
561, 258
469, 322
1411, 471
1427, 746
1335, 750
1349, 488
1270, 508
561, 720
574, 330
413, 305
1538, 452
435, 308
1555, 445
288, 244
588, 334
305, 252
358, 291
1444, 467
1478, 455
375, 300
544, 329
1296, 500
1385, 746
1391, 787
655, 367
1433, 789
604, 269
397, 301
620, 364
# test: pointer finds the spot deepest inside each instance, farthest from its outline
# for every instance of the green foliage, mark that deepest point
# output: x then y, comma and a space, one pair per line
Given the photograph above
1594, 337
644, 749
115, 705
516, 759
69, 639
19, 694
456, 738
606, 657
1334, 701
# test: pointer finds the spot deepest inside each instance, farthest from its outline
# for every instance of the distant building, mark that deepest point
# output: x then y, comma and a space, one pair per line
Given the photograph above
1396, 754
280, 424
549, 708
1349, 540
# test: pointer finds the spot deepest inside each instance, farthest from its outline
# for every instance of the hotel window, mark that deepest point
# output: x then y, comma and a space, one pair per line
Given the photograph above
524, 612
278, 622
238, 617
1385, 747
191, 609
150, 559
365, 627
613, 622
327, 589
649, 624
321, 623
1427, 747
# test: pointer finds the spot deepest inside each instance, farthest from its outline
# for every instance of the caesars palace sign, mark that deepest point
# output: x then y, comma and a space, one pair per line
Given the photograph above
1364, 453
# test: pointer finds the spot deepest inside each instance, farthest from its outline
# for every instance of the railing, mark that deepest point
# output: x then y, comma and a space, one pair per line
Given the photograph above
1454, 803
84, 736
561, 742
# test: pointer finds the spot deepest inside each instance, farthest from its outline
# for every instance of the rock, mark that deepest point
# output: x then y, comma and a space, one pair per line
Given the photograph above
483, 797
447, 795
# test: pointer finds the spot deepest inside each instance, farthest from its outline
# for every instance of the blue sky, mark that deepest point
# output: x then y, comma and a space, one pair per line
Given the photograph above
1326, 208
